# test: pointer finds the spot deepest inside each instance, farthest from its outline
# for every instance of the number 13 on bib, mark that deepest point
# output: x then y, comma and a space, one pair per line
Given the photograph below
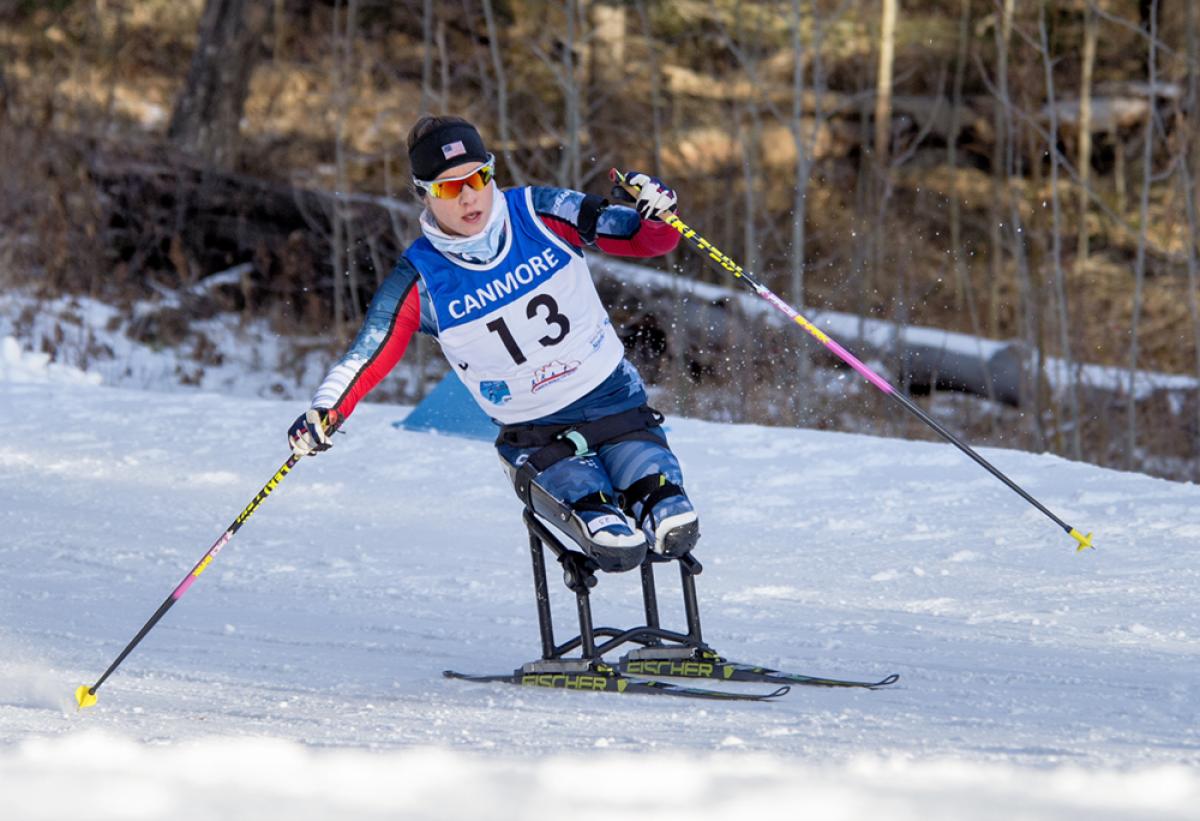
528, 330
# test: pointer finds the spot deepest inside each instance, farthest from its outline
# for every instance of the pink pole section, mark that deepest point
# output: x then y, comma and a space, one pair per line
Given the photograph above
824, 338
190, 578
854, 362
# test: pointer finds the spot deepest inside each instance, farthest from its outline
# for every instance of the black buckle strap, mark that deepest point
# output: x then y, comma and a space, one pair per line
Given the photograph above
557, 442
649, 490
596, 501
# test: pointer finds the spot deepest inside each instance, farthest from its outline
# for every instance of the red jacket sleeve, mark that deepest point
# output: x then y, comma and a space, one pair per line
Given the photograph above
652, 239
619, 229
391, 320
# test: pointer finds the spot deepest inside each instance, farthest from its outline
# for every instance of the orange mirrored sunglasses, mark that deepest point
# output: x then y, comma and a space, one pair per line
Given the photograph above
448, 189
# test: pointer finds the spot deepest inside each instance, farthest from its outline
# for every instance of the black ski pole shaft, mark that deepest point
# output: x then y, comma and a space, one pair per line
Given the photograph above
726, 263
85, 696
915, 409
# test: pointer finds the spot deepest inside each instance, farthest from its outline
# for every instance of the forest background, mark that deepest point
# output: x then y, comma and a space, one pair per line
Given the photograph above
1012, 170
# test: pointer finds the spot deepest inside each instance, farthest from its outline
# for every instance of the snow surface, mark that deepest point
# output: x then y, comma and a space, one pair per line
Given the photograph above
300, 676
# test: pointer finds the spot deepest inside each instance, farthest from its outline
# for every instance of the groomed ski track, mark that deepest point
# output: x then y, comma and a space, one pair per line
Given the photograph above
302, 672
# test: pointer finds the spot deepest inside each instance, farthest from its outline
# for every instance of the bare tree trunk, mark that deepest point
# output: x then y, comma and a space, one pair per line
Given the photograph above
1032, 178
208, 110
1193, 115
572, 166
507, 145
747, 135
443, 53
862, 253
345, 268
1191, 159
1091, 26
1002, 127
800, 198
1120, 172
880, 167
883, 87
677, 377
961, 283
1060, 290
751, 135
427, 47
112, 27
1193, 279
964, 296
1028, 314
1139, 267
279, 22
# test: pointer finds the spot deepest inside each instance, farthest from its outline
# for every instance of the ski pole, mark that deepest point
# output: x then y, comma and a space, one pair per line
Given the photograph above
86, 696
721, 259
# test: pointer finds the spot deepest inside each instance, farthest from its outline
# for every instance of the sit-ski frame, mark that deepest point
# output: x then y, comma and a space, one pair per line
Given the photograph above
579, 575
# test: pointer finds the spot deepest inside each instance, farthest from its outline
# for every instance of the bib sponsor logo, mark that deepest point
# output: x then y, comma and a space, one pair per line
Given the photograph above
552, 372
496, 392
598, 338
500, 287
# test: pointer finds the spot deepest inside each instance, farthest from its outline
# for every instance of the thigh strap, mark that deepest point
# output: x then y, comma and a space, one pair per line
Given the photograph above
557, 442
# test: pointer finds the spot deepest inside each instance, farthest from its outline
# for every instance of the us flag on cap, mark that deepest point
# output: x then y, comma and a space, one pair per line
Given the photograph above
448, 144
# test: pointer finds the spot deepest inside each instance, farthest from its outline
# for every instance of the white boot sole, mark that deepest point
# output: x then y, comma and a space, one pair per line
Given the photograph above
677, 535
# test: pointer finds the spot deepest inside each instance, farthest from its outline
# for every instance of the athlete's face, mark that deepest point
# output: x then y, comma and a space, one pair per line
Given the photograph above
466, 214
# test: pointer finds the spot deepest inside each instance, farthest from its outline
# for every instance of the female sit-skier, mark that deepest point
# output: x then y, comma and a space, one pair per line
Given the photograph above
500, 279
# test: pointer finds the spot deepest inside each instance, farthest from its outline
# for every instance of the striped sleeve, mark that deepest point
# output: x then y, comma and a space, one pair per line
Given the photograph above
392, 318
619, 230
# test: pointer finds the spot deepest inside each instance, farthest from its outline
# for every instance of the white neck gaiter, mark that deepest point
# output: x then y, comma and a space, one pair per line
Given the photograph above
479, 248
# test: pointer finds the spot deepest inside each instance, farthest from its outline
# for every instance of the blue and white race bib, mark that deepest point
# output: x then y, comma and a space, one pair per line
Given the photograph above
527, 333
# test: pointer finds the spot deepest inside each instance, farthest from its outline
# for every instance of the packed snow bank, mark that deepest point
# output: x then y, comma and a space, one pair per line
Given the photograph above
17, 365
255, 778
225, 353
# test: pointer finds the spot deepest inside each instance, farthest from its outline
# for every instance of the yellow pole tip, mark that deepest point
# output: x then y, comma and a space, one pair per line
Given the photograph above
84, 696
1084, 541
